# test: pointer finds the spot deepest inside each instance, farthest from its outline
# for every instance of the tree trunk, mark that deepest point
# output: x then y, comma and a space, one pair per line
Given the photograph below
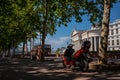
13, 51
9, 54
44, 29
43, 51
9, 50
104, 33
3, 52
13, 48
23, 48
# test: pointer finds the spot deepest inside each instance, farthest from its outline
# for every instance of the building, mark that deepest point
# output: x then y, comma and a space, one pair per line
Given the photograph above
114, 36
93, 35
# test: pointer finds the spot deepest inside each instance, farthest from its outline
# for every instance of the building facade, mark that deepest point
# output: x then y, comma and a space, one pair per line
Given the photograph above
93, 35
114, 36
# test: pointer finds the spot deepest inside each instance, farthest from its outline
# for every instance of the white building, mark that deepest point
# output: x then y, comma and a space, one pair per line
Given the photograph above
114, 36
93, 35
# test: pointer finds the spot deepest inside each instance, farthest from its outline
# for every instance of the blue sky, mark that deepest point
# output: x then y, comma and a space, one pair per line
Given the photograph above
62, 35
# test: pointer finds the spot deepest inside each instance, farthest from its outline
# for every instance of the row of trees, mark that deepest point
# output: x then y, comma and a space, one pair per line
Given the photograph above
16, 23
20, 20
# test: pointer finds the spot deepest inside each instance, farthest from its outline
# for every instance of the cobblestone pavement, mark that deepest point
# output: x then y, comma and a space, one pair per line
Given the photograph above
26, 69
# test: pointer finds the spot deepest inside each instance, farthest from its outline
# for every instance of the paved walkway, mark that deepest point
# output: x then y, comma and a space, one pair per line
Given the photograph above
26, 69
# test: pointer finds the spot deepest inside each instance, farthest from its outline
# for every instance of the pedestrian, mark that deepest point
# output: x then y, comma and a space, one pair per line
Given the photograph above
57, 52
39, 52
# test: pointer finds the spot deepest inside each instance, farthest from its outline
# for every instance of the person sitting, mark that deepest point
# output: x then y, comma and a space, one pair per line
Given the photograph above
67, 57
69, 52
84, 49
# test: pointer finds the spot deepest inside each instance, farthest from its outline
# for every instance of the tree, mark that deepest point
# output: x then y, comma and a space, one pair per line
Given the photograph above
55, 13
103, 55
16, 22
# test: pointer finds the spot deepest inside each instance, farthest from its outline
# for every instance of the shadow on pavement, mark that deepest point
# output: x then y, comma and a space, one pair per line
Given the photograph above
25, 69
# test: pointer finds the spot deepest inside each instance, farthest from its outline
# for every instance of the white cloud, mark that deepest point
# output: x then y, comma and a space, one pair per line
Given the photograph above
58, 43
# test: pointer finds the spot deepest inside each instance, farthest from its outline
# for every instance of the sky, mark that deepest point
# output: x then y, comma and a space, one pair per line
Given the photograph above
62, 37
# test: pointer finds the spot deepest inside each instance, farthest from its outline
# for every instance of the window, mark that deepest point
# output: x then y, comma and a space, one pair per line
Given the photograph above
116, 31
116, 25
112, 32
117, 36
108, 42
111, 26
112, 42
117, 41
112, 48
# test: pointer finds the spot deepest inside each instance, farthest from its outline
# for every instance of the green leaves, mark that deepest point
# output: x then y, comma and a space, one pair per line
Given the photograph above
16, 20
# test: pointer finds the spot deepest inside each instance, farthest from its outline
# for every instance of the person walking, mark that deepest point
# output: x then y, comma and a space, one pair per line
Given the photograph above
39, 52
